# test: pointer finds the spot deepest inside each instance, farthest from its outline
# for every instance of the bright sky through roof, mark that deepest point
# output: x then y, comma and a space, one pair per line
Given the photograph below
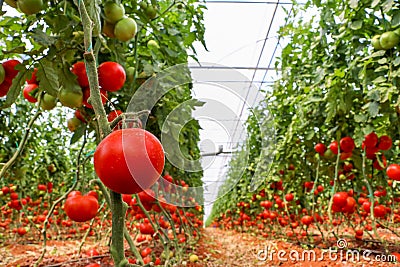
241, 35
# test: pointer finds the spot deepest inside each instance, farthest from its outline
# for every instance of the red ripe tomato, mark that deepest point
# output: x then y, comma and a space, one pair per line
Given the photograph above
145, 252
86, 95
385, 142
347, 144
5, 190
9, 67
29, 91
127, 198
320, 188
129, 161
21, 231
307, 220
49, 187
379, 211
42, 187
320, 148
92, 252
33, 79
289, 197
79, 116
93, 194
146, 229
79, 69
113, 115
334, 147
111, 76
370, 140
147, 196
350, 205
14, 196
340, 199
378, 165
74, 193
93, 265
366, 206
81, 208
393, 172
4, 88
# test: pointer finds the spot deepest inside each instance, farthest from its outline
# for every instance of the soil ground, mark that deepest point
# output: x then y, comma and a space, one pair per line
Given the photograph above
216, 248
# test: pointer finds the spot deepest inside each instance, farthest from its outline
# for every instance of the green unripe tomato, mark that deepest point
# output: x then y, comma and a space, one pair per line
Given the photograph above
73, 123
12, 3
30, 7
153, 44
125, 29
130, 72
376, 43
113, 12
70, 98
389, 40
48, 102
150, 12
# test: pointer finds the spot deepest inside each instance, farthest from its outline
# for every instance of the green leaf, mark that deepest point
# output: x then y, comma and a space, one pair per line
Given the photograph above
387, 6
356, 25
395, 18
48, 77
79, 132
375, 3
354, 4
190, 38
373, 109
68, 80
42, 38
380, 79
360, 118
16, 88
396, 62
382, 68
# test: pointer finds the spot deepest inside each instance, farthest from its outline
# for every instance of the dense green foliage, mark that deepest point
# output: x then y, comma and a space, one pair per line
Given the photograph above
333, 84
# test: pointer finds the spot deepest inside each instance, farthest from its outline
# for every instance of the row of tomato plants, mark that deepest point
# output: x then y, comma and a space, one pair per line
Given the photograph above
352, 200
162, 232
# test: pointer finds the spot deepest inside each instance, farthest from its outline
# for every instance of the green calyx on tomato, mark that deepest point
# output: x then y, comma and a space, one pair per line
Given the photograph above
70, 98
125, 29
113, 12
30, 7
129, 161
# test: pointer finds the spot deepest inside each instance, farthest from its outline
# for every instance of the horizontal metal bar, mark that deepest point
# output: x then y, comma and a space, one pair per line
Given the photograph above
230, 67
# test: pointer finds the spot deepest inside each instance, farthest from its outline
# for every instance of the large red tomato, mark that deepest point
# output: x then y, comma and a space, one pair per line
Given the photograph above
81, 208
111, 76
9, 67
129, 161
29, 91
79, 69
4, 88
393, 171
